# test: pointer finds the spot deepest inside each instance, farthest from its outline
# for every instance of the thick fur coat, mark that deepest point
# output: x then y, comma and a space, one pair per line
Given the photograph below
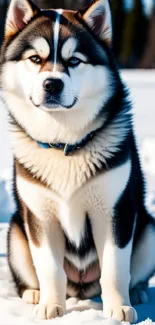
80, 228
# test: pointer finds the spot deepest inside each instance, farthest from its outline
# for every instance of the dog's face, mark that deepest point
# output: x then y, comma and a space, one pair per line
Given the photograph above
56, 61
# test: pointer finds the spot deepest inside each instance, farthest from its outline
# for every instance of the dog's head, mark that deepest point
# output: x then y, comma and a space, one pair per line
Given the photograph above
56, 63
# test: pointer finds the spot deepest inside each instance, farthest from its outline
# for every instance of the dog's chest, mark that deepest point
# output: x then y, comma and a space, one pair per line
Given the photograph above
95, 199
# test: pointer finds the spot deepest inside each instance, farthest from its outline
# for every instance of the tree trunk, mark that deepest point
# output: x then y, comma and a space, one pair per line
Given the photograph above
148, 60
3, 8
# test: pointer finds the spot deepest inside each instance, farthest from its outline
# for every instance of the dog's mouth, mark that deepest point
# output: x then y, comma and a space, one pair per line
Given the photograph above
54, 103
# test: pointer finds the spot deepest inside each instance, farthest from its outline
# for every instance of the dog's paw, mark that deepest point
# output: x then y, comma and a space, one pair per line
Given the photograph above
122, 313
31, 296
138, 296
48, 311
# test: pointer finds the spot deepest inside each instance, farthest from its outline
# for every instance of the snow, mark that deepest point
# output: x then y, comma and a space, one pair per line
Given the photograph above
13, 310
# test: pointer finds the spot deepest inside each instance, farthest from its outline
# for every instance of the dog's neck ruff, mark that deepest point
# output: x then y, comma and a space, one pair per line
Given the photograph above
68, 148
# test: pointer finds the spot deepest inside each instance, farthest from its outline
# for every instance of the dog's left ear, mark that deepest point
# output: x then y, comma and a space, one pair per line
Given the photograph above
98, 18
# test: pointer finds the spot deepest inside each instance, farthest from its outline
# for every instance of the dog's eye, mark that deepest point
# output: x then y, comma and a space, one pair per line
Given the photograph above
35, 59
74, 62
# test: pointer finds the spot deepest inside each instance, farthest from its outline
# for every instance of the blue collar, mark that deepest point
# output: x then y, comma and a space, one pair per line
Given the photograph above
68, 148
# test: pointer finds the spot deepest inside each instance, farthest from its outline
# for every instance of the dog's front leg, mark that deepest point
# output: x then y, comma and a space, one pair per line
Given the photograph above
115, 279
48, 259
115, 275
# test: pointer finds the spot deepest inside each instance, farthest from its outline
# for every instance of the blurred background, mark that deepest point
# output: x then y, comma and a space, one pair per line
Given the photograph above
133, 24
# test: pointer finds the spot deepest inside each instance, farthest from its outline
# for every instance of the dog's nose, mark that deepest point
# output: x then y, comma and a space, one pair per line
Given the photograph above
53, 86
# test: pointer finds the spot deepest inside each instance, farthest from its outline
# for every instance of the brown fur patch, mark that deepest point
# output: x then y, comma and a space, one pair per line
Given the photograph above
18, 239
23, 172
34, 225
35, 229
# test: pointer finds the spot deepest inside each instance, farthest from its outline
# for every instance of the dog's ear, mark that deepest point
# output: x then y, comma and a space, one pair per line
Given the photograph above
20, 12
98, 18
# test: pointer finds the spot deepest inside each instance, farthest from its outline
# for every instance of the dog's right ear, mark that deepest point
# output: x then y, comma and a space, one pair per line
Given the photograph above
20, 12
97, 16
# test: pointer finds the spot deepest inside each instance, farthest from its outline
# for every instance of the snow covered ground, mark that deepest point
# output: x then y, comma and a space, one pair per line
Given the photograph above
12, 310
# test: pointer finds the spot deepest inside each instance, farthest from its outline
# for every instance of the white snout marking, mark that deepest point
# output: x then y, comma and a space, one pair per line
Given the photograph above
56, 36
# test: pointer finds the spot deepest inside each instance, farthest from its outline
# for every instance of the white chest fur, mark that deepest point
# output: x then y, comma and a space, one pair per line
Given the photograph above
67, 175
98, 195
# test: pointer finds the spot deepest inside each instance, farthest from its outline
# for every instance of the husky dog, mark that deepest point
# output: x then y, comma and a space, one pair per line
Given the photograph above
80, 228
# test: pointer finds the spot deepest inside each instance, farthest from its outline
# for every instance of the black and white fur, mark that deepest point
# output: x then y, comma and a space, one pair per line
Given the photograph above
88, 206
